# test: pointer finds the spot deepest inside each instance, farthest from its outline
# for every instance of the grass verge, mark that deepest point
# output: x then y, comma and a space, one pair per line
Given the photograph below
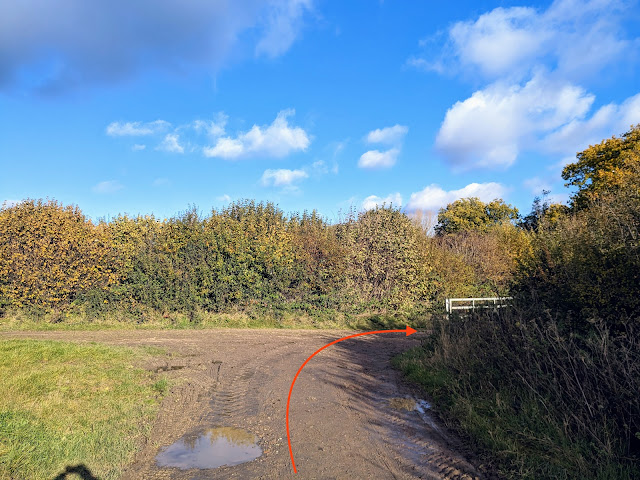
532, 403
23, 320
72, 406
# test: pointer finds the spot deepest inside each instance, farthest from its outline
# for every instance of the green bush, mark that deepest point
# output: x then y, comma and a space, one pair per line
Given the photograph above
248, 257
586, 265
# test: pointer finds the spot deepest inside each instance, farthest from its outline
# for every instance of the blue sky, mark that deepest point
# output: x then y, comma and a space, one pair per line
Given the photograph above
149, 107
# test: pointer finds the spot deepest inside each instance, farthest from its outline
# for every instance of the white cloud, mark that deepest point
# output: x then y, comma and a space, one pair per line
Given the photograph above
171, 144
494, 125
499, 40
536, 62
373, 201
575, 38
282, 27
378, 159
213, 128
578, 134
282, 177
434, 197
275, 140
108, 186
224, 198
134, 129
383, 159
68, 43
225, 148
389, 135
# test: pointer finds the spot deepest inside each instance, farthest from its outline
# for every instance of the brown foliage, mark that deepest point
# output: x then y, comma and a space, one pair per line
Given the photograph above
491, 257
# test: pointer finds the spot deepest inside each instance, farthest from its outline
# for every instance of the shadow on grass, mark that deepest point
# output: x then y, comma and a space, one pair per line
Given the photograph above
81, 470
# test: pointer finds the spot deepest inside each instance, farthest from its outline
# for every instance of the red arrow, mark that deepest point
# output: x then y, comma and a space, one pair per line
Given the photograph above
408, 330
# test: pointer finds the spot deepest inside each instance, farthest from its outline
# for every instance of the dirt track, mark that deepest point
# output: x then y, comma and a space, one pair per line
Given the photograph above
343, 424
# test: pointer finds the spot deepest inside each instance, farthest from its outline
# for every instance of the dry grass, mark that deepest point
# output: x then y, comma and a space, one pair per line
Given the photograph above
543, 403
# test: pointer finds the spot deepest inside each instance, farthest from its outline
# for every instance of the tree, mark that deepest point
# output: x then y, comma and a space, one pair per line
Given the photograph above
604, 168
542, 209
471, 214
386, 258
588, 263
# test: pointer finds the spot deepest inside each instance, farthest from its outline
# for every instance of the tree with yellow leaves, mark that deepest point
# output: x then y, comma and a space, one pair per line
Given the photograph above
604, 168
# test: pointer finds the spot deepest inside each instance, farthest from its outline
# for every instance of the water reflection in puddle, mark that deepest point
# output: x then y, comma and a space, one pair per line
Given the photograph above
212, 449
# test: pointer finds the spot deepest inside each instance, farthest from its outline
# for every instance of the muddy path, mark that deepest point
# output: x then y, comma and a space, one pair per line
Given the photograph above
351, 414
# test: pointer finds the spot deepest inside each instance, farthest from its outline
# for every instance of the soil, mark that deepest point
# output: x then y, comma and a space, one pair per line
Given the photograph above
351, 415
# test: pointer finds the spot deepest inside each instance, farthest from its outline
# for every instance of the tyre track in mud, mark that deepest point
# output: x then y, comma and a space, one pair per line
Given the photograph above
343, 424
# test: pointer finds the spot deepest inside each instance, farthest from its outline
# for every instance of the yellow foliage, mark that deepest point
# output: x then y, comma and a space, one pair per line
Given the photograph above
605, 168
50, 253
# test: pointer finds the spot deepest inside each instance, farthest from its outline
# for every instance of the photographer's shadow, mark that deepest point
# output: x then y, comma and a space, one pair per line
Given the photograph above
81, 470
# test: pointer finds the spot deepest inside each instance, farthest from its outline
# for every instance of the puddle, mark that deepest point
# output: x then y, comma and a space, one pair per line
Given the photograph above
409, 404
422, 406
212, 449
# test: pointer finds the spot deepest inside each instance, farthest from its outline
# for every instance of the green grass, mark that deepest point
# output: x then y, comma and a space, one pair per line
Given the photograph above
65, 404
20, 320
161, 386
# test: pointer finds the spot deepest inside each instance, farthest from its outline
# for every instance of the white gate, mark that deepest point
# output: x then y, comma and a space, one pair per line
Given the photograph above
473, 303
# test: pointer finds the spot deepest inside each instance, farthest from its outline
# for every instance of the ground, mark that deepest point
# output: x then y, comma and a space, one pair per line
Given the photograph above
351, 414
